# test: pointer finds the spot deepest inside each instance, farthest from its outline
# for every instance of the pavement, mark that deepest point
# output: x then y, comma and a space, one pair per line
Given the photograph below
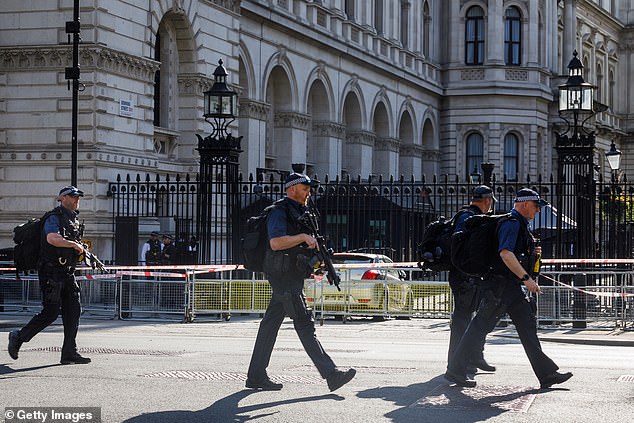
161, 371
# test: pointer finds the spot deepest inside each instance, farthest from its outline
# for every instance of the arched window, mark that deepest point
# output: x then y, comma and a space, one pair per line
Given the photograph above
599, 89
512, 36
474, 36
349, 8
157, 82
426, 29
378, 16
475, 152
511, 156
405, 23
611, 84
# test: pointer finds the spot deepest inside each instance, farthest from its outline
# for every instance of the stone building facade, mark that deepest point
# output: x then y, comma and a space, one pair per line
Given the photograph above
349, 87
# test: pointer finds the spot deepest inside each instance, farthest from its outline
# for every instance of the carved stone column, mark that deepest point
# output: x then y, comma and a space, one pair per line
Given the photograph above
252, 121
431, 163
385, 159
290, 130
325, 148
411, 160
358, 150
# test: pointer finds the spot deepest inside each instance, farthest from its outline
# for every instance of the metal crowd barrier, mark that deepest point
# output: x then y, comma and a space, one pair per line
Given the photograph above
590, 295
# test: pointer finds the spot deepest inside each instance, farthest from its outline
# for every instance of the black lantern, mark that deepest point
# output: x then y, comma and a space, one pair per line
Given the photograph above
576, 99
614, 159
220, 102
576, 95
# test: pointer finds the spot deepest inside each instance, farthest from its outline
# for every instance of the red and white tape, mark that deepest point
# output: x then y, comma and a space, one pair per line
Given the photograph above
588, 292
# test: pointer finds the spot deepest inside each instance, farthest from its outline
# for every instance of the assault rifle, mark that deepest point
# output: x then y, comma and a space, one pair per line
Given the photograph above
90, 259
310, 219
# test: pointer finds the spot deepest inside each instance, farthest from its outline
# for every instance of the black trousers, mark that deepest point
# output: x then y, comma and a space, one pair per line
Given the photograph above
499, 296
59, 292
466, 298
293, 304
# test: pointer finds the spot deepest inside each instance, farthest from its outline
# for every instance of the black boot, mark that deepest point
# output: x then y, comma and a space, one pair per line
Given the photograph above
14, 344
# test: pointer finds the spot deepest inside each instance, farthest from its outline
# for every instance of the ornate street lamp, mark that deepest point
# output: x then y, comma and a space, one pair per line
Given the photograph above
614, 159
220, 103
576, 97
218, 195
576, 187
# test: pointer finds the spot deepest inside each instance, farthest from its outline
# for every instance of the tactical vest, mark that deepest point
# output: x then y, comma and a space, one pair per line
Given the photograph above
524, 247
153, 254
71, 230
284, 262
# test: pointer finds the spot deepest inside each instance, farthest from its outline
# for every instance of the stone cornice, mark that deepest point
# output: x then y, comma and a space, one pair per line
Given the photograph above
193, 83
325, 128
232, 5
361, 137
90, 57
386, 144
431, 155
253, 109
412, 150
292, 120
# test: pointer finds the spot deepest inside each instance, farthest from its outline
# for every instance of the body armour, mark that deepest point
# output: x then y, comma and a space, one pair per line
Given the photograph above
284, 262
524, 247
71, 230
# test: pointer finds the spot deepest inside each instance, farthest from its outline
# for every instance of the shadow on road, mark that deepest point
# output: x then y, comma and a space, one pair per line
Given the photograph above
6, 370
436, 400
227, 409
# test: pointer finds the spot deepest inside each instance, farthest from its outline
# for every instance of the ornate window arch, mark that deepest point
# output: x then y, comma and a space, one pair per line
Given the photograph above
378, 17
513, 36
475, 152
511, 156
474, 36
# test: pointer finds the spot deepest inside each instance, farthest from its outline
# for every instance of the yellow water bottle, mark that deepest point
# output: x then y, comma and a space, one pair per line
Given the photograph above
538, 261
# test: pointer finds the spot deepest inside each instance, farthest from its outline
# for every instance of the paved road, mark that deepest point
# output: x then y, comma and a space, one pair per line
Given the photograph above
146, 372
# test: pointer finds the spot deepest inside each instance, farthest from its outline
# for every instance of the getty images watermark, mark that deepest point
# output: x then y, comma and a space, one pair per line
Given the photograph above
52, 414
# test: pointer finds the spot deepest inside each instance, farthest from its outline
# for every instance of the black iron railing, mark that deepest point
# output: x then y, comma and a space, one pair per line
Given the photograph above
379, 214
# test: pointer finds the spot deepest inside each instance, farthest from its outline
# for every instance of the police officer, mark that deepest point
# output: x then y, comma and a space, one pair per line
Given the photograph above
168, 254
151, 251
60, 250
502, 293
464, 288
286, 274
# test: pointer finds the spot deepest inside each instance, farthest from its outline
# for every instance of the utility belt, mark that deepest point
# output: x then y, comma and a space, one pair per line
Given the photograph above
293, 262
57, 266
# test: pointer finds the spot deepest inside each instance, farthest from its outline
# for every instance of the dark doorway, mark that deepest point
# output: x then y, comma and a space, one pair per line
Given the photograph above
126, 240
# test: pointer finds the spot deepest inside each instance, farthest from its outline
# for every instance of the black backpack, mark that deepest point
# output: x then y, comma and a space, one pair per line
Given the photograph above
435, 248
28, 237
255, 241
474, 248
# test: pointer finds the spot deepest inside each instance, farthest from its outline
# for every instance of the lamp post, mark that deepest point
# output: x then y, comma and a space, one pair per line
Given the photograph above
219, 153
614, 209
575, 153
576, 187
614, 160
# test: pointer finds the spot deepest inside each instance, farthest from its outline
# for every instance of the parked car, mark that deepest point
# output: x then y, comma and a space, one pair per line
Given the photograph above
376, 290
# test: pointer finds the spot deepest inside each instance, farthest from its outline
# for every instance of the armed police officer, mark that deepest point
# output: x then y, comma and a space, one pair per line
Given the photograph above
287, 263
151, 251
60, 248
465, 289
502, 293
